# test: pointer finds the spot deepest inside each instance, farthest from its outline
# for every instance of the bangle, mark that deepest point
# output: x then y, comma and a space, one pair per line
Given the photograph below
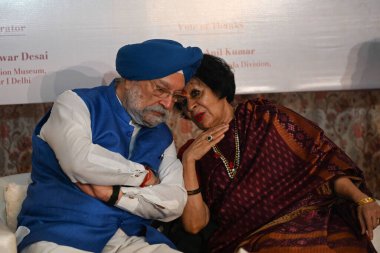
114, 196
193, 192
365, 201
147, 177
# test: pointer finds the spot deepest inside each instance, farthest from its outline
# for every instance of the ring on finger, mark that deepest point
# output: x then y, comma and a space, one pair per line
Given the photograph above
209, 138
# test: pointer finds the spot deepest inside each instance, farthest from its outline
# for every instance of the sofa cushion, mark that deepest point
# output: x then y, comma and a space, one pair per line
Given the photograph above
20, 179
14, 195
7, 240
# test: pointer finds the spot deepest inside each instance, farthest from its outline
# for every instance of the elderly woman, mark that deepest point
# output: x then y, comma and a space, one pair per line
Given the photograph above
268, 178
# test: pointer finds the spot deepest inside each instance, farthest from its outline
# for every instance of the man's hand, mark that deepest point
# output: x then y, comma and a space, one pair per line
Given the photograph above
100, 192
104, 192
150, 178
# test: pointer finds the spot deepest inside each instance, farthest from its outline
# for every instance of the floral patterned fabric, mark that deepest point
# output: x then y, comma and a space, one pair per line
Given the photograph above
349, 118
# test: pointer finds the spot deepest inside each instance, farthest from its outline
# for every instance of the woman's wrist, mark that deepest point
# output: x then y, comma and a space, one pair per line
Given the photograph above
193, 192
365, 201
359, 196
344, 187
186, 158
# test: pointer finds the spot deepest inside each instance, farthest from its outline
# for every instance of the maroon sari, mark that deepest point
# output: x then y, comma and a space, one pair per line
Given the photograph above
281, 199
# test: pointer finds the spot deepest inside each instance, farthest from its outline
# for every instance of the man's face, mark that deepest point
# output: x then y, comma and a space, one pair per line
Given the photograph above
149, 102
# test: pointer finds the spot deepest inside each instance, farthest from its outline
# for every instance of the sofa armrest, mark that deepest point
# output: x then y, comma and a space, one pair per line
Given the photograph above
7, 239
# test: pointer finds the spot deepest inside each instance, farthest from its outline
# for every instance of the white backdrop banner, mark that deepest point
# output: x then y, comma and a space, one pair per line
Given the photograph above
48, 46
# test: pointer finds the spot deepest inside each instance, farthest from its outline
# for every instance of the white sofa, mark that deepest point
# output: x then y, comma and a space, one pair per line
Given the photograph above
12, 192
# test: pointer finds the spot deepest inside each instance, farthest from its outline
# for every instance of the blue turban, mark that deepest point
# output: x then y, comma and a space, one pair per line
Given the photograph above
157, 58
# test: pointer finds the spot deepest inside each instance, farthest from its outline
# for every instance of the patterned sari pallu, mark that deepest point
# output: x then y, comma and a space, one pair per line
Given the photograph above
280, 198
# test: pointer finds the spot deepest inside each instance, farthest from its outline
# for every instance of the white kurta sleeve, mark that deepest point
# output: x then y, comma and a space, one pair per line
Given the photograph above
164, 201
68, 133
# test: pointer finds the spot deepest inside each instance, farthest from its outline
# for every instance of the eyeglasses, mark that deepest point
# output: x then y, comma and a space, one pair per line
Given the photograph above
162, 92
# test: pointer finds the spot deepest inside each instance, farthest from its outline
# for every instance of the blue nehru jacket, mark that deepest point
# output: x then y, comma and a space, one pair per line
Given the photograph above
56, 210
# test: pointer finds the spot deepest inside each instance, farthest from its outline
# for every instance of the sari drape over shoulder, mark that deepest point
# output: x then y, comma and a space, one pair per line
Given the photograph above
281, 199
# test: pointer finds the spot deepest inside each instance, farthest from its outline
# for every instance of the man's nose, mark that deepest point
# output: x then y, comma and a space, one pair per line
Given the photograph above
167, 102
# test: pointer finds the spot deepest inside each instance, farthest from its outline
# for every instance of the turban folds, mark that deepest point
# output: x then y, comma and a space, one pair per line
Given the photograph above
157, 58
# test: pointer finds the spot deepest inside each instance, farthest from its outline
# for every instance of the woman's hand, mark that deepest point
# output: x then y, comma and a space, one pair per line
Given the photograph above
369, 217
203, 143
368, 214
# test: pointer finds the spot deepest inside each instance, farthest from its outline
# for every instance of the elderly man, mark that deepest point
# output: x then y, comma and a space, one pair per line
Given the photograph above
113, 136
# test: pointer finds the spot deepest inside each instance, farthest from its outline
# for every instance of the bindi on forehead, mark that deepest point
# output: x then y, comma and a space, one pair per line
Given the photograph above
192, 86
196, 82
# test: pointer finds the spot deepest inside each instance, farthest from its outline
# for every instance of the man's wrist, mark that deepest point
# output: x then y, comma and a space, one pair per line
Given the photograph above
147, 177
114, 196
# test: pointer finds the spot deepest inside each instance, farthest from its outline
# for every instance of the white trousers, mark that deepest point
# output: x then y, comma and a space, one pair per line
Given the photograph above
119, 243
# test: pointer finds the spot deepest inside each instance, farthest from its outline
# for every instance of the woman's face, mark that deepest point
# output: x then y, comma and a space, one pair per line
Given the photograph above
203, 107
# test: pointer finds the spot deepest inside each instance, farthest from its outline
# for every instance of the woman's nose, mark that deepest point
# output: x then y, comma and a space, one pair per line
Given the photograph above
191, 104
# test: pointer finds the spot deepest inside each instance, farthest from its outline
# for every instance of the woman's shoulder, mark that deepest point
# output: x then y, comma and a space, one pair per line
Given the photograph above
259, 104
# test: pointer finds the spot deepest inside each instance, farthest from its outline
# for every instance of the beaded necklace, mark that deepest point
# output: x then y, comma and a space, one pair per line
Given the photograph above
231, 167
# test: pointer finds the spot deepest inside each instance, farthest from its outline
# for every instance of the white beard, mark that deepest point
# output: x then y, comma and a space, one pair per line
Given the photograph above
144, 116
